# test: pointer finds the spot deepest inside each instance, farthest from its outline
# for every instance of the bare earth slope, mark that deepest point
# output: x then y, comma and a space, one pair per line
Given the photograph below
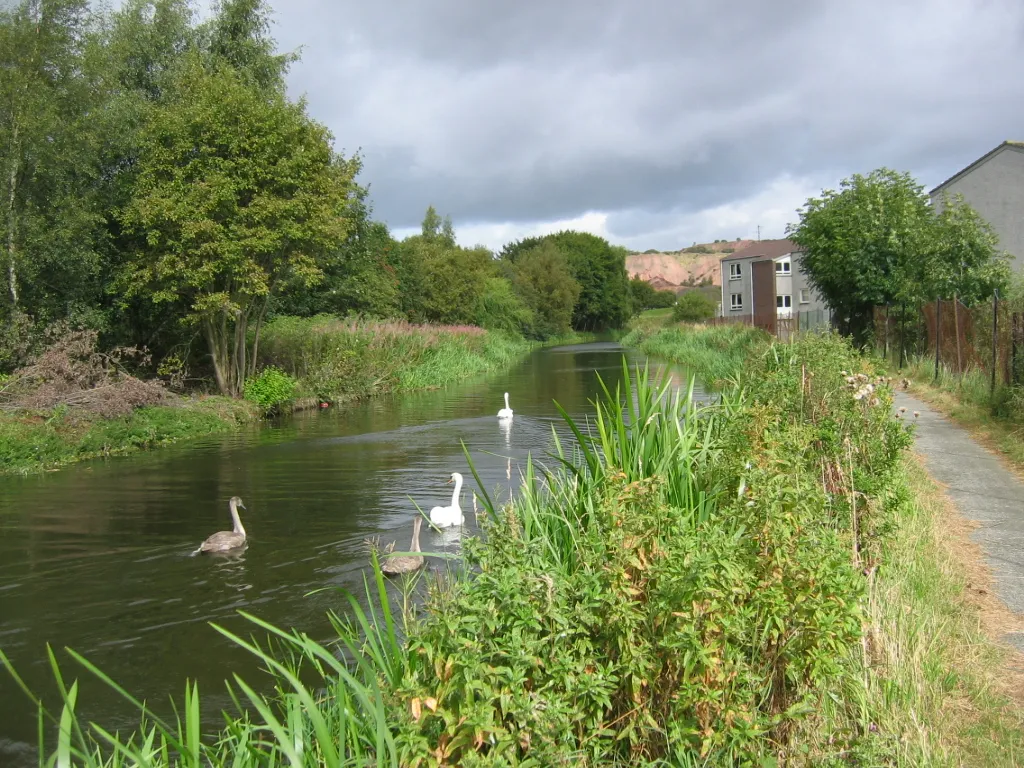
673, 271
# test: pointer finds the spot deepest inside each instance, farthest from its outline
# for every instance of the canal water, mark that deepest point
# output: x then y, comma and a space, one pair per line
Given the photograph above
98, 557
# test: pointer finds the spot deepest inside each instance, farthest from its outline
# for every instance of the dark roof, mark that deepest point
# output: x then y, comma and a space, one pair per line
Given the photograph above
768, 249
1018, 145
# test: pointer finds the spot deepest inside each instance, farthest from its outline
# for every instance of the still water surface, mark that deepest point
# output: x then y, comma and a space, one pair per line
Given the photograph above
97, 557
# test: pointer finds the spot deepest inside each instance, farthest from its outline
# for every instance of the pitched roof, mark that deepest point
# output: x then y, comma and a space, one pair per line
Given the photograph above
768, 249
1018, 145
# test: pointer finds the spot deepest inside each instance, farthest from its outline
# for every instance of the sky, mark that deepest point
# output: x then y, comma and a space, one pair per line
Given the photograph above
656, 123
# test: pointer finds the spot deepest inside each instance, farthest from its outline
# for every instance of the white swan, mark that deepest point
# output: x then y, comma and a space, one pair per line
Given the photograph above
445, 517
506, 412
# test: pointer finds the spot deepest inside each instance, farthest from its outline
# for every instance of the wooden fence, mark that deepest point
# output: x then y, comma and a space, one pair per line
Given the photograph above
781, 327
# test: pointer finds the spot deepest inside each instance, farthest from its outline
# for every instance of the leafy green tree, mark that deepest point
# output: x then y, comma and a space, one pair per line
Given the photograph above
866, 245
663, 299
501, 308
966, 261
50, 219
600, 270
442, 283
238, 35
641, 295
877, 240
543, 278
692, 307
359, 277
239, 193
434, 228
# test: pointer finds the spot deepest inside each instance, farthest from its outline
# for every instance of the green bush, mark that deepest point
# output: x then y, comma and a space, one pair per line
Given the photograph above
692, 307
270, 388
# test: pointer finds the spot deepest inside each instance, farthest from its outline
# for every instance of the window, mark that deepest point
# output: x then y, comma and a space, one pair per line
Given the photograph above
783, 301
734, 271
736, 301
782, 267
805, 297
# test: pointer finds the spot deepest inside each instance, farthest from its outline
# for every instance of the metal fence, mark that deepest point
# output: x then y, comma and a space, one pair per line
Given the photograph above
988, 337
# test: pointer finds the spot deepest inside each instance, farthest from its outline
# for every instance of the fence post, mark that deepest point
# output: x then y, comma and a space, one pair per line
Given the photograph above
938, 335
903, 326
885, 340
1014, 334
995, 332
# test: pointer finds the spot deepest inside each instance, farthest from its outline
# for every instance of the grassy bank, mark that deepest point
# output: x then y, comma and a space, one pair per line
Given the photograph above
997, 421
334, 361
337, 360
714, 354
31, 442
766, 581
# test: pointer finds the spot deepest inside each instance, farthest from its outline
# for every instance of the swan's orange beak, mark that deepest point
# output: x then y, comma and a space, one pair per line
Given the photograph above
448, 481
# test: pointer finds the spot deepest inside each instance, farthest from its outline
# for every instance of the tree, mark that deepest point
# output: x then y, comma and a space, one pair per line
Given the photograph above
48, 149
966, 262
239, 193
600, 270
641, 294
877, 240
359, 277
501, 308
543, 278
865, 245
663, 299
238, 37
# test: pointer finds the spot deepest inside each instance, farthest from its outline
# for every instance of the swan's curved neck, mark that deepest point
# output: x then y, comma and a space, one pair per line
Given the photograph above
236, 519
415, 546
506, 400
456, 492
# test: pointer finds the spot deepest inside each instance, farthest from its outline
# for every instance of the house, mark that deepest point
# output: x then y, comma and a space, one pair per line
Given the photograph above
994, 186
765, 280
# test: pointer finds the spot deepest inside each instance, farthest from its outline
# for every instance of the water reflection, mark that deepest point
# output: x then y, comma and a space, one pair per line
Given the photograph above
97, 557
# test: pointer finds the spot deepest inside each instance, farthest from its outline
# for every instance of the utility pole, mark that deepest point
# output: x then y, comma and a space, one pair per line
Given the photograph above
759, 233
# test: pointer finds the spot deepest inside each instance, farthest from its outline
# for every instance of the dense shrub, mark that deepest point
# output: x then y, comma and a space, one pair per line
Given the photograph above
270, 388
692, 307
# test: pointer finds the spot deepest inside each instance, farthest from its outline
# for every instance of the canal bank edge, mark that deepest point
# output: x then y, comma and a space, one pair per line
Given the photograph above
37, 442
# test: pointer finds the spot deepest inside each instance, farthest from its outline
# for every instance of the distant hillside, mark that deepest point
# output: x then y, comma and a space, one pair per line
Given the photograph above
684, 268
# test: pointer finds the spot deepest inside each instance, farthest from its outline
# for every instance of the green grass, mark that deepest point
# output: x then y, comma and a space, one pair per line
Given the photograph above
337, 360
765, 581
714, 354
30, 442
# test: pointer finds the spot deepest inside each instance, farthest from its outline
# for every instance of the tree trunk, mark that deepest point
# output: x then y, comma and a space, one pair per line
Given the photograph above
238, 357
215, 341
256, 337
12, 270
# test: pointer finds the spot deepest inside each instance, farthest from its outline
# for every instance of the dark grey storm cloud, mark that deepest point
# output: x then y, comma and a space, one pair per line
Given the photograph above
650, 112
